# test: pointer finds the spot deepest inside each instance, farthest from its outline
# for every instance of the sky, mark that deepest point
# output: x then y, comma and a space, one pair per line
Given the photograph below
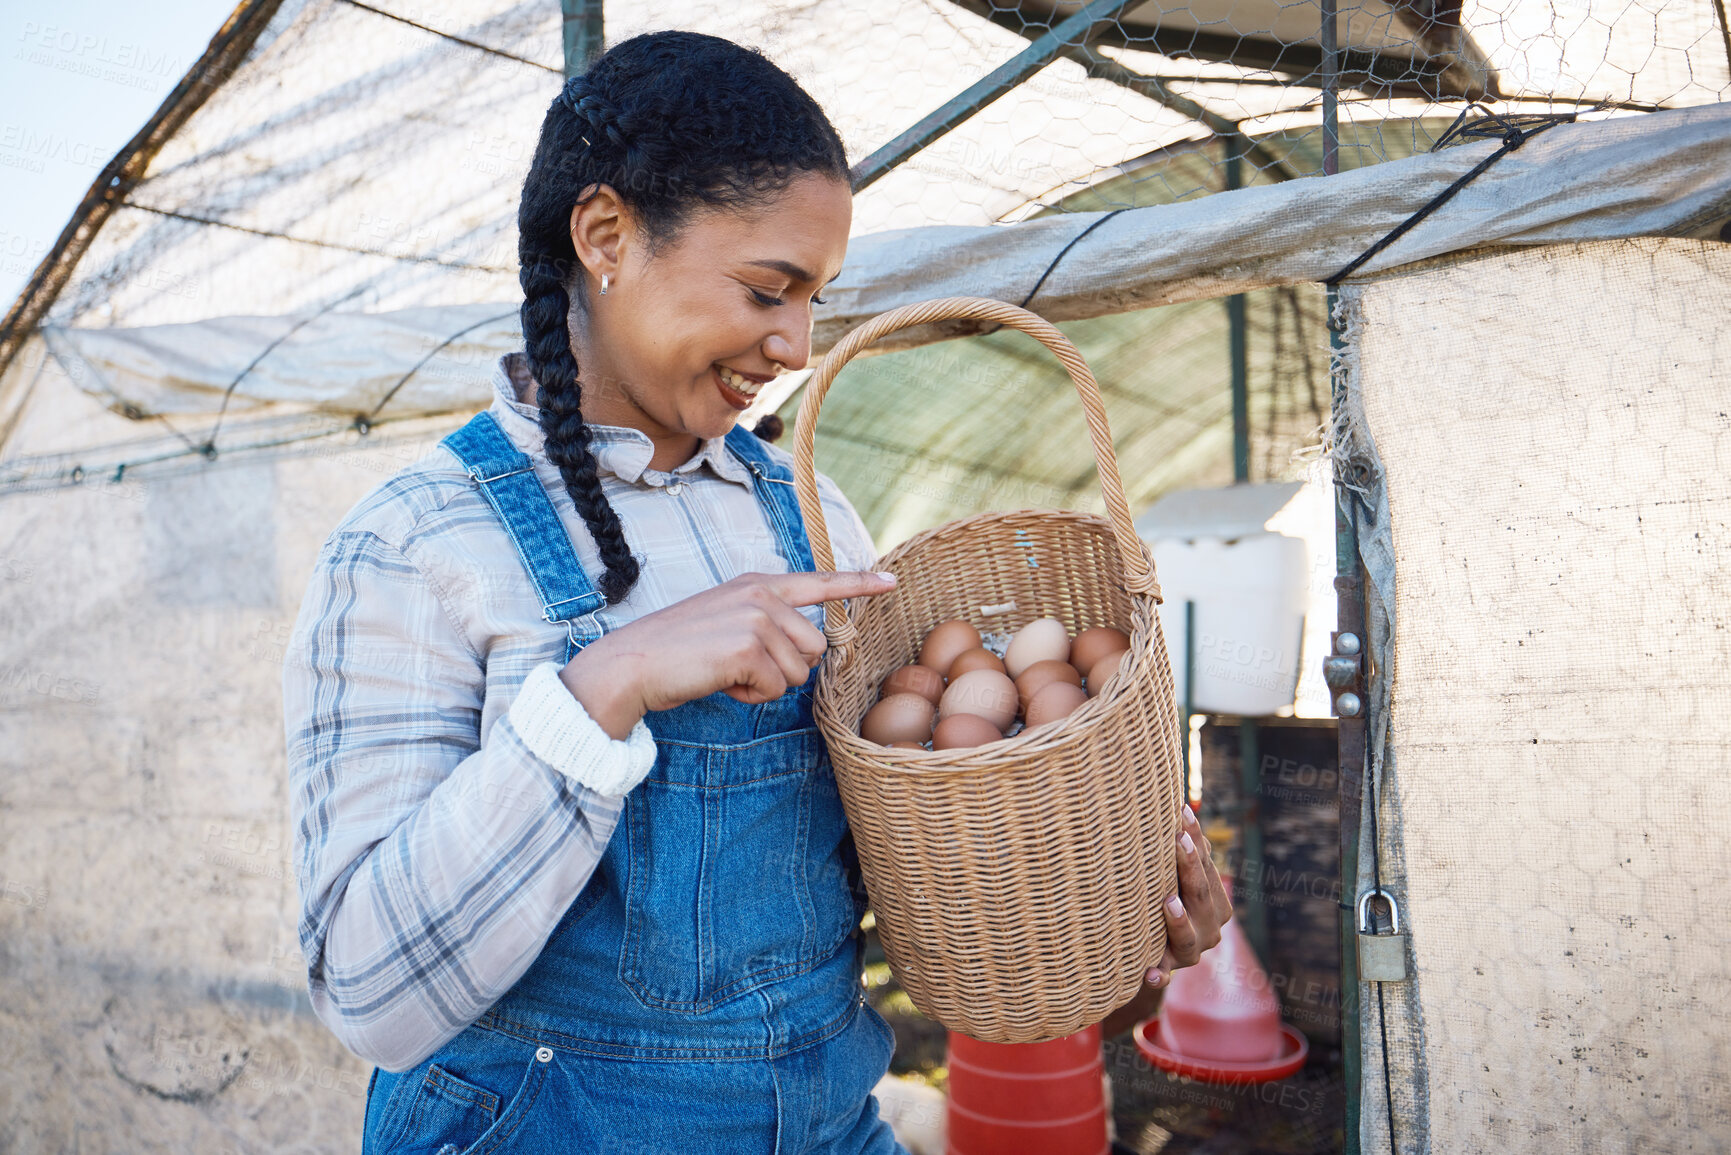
77, 79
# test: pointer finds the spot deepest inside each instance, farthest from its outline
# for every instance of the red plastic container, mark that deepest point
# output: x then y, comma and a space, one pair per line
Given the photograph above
1220, 1020
1027, 1098
1224, 1007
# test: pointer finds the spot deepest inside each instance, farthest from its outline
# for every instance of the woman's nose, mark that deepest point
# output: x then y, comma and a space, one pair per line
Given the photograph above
792, 350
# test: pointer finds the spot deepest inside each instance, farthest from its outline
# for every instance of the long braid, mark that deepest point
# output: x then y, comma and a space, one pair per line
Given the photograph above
671, 121
547, 341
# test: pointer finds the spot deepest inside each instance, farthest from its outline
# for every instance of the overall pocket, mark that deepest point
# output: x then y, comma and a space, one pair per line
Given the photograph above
453, 1115
734, 870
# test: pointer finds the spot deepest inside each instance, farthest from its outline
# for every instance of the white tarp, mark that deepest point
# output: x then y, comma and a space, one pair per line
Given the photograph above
1667, 173
426, 360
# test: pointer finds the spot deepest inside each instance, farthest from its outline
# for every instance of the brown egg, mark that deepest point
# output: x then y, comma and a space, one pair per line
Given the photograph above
1102, 670
1038, 641
987, 693
898, 718
962, 730
1042, 674
1053, 702
904, 746
921, 680
978, 658
1092, 645
945, 643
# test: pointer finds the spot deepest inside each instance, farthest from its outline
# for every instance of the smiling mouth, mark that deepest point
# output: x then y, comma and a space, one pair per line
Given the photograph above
736, 390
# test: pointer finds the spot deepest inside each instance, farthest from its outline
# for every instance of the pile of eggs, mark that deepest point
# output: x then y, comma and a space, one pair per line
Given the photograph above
961, 693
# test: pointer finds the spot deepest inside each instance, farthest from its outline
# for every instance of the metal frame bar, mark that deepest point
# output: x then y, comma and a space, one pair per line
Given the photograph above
1155, 89
1251, 909
225, 53
1382, 73
1045, 48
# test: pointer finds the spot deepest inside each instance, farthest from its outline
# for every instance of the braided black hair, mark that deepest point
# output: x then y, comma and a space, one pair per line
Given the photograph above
672, 122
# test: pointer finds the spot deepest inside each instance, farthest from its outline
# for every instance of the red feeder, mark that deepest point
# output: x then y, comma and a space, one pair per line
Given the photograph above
1027, 1098
1220, 1020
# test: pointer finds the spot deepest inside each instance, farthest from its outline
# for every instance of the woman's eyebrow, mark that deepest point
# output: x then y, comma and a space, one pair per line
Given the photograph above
790, 269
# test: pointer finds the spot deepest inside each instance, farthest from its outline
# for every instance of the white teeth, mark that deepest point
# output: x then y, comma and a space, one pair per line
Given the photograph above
744, 385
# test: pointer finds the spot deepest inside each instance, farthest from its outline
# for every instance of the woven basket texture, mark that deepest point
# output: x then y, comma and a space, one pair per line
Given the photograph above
1017, 885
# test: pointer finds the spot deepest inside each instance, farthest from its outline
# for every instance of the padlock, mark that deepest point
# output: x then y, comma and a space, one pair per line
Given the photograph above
1381, 957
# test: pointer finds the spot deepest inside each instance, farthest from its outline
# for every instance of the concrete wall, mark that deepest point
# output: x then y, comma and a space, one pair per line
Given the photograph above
153, 995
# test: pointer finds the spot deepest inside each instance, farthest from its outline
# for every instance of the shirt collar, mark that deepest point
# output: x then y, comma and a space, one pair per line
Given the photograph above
619, 450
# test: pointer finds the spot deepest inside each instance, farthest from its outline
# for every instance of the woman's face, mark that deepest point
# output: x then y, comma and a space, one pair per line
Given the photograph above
732, 294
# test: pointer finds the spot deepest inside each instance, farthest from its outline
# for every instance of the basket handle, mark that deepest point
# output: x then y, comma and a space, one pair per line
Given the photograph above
1139, 577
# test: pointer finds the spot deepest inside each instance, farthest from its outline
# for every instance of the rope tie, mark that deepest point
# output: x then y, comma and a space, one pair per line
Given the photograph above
1513, 131
1144, 584
844, 635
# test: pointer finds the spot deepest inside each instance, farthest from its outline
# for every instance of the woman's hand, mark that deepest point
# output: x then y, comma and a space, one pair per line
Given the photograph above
1196, 913
745, 638
1194, 916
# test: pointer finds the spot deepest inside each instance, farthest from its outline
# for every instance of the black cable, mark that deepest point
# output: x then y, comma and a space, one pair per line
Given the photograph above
126, 408
1054, 263
475, 44
275, 236
363, 423
1514, 132
222, 410
77, 473
1387, 1089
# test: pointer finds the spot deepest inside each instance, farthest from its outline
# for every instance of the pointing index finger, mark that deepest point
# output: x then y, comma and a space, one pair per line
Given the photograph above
808, 589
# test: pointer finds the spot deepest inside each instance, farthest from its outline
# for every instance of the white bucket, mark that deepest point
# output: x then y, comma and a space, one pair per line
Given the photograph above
1250, 597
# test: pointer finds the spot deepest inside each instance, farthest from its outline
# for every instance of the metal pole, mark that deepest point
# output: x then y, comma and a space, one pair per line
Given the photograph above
1250, 908
1350, 619
1235, 326
583, 39
1189, 687
1330, 35
1238, 341
1248, 898
1350, 616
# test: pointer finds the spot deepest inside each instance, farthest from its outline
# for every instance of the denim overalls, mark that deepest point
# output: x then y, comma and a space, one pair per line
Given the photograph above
702, 993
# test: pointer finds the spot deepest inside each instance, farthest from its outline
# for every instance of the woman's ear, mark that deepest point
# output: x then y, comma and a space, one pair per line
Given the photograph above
601, 227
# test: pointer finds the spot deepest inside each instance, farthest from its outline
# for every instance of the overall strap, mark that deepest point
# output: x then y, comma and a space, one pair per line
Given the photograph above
773, 484
506, 478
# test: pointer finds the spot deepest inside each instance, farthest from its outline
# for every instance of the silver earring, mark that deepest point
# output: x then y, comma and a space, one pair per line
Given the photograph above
603, 284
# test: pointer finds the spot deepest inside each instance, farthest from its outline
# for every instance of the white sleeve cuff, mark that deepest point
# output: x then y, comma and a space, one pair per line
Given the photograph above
560, 732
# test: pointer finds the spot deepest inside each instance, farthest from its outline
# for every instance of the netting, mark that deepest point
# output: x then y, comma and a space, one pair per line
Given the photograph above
357, 160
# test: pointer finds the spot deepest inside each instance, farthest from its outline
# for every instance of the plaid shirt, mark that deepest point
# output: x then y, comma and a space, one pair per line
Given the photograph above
435, 848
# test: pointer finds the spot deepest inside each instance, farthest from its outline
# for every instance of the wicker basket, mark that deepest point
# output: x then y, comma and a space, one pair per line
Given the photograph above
1017, 886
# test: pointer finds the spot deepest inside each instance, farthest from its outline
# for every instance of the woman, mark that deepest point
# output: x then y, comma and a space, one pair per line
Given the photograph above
574, 873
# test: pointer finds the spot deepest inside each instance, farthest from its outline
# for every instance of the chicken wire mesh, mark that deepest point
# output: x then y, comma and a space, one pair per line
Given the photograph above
1072, 107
